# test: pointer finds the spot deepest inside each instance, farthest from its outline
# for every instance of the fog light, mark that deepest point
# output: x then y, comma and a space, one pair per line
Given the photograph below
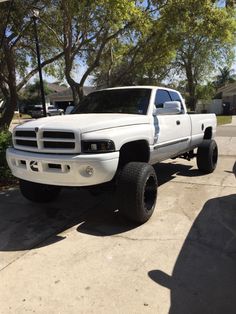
89, 170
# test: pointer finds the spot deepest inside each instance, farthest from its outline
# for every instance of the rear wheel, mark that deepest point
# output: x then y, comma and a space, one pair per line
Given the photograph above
137, 191
207, 156
39, 193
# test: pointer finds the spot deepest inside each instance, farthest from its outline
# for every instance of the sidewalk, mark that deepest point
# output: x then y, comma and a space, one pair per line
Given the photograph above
233, 120
227, 139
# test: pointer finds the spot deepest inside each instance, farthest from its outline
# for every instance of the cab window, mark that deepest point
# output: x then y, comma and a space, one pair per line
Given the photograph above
161, 97
175, 97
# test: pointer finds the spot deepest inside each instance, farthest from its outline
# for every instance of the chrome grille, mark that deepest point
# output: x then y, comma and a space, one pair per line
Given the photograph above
47, 141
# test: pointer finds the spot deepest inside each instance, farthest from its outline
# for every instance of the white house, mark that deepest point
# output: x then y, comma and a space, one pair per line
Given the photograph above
229, 96
225, 104
64, 98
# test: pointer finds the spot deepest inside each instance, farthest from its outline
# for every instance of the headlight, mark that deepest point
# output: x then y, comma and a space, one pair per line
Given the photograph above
98, 146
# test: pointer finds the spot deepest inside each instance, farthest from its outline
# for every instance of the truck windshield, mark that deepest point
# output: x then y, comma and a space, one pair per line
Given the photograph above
133, 101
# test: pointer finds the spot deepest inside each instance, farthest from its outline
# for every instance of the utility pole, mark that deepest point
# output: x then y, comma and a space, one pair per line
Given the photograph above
35, 18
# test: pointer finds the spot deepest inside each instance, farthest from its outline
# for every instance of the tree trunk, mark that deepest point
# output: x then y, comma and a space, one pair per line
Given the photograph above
191, 88
75, 88
12, 97
68, 54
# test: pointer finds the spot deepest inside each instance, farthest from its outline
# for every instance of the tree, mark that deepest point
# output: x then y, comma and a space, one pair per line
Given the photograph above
31, 94
17, 52
145, 59
89, 27
226, 76
206, 37
230, 3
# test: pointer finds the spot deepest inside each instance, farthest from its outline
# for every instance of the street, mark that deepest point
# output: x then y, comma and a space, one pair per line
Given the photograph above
79, 255
226, 131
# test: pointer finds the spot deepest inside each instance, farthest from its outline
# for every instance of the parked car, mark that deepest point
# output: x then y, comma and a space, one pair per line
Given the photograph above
37, 111
69, 109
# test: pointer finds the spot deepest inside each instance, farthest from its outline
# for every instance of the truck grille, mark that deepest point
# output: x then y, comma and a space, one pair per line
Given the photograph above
46, 141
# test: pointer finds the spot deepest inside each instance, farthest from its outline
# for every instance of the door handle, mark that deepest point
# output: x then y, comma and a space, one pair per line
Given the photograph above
178, 122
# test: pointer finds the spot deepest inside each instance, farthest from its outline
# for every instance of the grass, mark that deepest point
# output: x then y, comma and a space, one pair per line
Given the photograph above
21, 116
224, 120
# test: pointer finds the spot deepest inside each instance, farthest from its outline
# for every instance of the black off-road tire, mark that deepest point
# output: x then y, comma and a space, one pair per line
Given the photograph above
39, 193
137, 191
207, 156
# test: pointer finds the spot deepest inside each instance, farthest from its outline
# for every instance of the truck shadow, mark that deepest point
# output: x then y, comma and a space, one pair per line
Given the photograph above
204, 275
168, 171
113, 223
25, 225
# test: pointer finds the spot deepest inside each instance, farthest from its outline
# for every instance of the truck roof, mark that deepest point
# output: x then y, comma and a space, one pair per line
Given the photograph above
138, 86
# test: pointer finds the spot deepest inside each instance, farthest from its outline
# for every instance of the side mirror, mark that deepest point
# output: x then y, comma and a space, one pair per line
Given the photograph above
169, 107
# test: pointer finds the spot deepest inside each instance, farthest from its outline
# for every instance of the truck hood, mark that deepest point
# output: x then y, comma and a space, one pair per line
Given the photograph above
86, 122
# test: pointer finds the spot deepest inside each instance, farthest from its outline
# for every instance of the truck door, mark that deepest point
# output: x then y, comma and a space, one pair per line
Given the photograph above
172, 132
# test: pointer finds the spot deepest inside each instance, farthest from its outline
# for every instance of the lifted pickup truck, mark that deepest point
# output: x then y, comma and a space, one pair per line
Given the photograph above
114, 135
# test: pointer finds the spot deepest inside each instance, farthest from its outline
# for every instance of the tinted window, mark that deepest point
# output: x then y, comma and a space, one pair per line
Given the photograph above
134, 101
161, 97
175, 97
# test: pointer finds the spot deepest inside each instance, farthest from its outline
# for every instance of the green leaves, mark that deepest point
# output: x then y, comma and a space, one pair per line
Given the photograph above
119, 42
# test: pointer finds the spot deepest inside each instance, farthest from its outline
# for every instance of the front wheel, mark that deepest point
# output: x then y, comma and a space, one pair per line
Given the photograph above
137, 191
207, 156
37, 192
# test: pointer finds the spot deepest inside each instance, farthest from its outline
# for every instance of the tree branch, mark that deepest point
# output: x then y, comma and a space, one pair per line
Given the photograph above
52, 30
34, 71
99, 53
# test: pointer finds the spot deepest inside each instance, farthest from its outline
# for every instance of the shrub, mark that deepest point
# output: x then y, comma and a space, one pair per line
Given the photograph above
5, 141
6, 177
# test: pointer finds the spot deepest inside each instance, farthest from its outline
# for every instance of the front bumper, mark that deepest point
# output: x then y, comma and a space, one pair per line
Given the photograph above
64, 170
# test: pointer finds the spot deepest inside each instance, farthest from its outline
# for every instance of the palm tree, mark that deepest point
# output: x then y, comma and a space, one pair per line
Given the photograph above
225, 77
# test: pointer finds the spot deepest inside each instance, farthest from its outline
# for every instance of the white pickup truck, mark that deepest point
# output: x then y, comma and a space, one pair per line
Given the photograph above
115, 135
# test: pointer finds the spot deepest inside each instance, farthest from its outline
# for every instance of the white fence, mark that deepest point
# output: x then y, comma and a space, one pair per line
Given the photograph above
213, 106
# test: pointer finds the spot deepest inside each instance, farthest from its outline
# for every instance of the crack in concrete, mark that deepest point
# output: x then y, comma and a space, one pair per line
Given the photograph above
145, 239
186, 215
203, 184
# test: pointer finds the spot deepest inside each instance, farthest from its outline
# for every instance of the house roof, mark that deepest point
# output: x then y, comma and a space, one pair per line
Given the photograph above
56, 87
66, 94
230, 88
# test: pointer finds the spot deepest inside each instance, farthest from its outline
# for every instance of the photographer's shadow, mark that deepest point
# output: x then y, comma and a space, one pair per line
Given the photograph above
204, 276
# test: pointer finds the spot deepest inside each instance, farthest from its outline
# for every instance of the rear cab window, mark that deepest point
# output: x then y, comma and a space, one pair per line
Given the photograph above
176, 97
163, 95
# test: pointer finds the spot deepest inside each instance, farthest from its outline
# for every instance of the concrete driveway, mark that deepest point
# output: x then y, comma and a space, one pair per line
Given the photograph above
78, 255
